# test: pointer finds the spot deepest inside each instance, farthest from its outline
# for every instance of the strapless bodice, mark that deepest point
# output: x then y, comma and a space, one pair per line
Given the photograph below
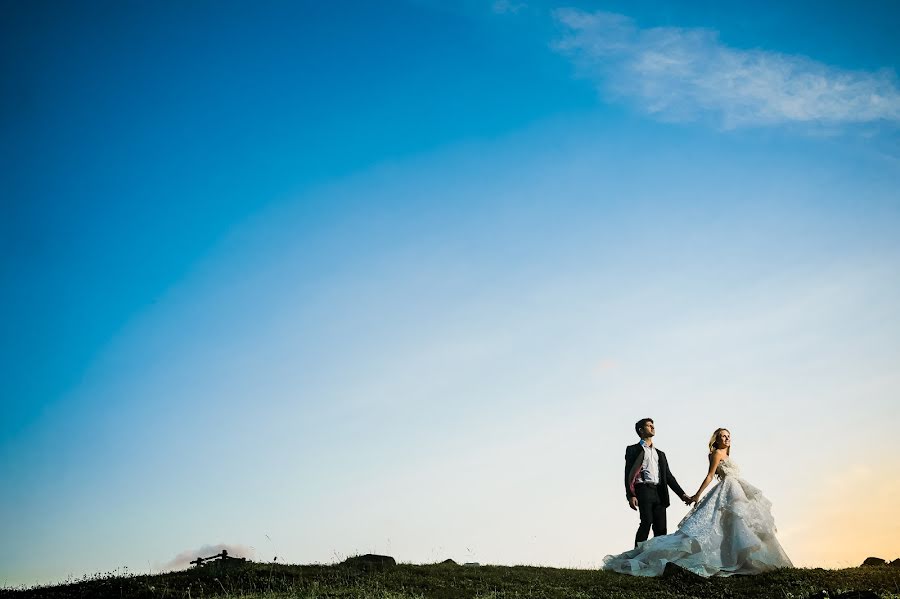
727, 468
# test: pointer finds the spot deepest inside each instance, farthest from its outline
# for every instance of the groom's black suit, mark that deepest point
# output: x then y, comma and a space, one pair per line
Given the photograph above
652, 499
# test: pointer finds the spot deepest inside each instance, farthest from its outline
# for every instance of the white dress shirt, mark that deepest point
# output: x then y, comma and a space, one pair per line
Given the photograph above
650, 466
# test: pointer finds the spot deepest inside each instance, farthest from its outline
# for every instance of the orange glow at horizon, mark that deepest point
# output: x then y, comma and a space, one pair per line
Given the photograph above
853, 517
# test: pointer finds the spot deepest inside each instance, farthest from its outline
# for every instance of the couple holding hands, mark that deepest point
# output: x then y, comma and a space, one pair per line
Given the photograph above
729, 531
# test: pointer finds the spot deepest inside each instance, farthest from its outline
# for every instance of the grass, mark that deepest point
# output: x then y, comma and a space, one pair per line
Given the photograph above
406, 581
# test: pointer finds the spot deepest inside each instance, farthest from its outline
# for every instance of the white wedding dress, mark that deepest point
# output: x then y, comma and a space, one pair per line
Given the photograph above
730, 531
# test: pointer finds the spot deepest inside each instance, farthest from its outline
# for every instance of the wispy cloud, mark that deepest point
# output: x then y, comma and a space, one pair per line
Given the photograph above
506, 6
689, 74
605, 365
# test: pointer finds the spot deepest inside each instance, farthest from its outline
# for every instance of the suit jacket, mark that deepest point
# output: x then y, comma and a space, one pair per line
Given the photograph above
634, 457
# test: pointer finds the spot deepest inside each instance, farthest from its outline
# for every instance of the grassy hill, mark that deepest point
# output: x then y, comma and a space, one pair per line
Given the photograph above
404, 581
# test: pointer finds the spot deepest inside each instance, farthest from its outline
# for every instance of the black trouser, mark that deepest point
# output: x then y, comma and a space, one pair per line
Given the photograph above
653, 513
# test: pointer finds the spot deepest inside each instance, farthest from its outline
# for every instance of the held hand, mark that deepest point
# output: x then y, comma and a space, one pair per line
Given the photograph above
633, 503
687, 500
694, 499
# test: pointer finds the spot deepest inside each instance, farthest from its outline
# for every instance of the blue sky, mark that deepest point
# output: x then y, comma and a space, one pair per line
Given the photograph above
473, 242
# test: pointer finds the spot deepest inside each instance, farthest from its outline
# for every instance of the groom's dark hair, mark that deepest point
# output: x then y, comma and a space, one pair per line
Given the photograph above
640, 424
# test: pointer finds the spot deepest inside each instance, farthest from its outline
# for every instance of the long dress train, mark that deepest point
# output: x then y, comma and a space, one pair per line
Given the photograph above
730, 531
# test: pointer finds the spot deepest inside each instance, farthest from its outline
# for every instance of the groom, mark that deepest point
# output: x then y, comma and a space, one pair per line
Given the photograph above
647, 482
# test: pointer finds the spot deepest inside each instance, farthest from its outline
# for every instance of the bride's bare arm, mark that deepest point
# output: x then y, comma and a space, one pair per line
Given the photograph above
714, 459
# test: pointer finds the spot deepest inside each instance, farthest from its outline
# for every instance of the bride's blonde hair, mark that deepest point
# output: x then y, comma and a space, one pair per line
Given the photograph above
715, 439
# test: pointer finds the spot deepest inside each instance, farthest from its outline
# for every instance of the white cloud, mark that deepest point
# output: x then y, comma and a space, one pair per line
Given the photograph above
688, 74
506, 6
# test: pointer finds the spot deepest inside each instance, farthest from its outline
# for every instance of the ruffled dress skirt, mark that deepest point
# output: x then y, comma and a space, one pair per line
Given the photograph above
730, 531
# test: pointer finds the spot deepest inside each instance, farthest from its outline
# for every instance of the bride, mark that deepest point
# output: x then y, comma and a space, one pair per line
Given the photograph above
729, 531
